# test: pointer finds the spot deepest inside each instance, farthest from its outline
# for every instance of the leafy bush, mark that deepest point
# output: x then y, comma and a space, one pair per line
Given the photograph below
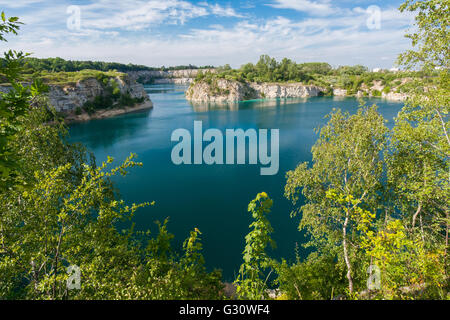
376, 93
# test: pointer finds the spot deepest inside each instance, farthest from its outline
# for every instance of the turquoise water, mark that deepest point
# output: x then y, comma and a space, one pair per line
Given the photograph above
213, 198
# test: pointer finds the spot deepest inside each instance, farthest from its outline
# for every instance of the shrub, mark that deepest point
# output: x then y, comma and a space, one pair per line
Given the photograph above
376, 93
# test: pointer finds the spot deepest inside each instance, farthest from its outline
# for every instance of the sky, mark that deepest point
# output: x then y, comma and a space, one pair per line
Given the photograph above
181, 32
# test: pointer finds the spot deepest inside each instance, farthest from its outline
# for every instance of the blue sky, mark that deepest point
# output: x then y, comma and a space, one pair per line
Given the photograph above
174, 32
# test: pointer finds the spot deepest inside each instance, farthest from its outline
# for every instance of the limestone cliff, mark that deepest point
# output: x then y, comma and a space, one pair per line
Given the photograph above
172, 76
71, 98
219, 90
222, 91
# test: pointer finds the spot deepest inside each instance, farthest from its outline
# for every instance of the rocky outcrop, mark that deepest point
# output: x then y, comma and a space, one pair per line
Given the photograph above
224, 91
172, 76
70, 98
394, 96
340, 92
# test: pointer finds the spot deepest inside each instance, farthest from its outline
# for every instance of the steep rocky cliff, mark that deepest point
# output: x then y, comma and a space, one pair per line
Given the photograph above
72, 98
221, 91
224, 91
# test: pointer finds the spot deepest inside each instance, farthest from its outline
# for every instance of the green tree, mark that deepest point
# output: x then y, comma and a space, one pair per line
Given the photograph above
58, 208
418, 162
430, 38
392, 203
346, 158
250, 283
14, 104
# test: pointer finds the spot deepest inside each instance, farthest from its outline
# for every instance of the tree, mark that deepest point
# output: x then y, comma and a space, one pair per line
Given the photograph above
59, 209
346, 158
431, 38
250, 283
13, 104
391, 208
419, 165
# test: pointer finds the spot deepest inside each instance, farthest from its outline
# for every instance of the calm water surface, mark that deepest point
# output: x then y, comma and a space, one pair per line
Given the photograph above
212, 198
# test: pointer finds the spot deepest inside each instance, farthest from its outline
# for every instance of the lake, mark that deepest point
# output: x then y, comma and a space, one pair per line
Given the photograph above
212, 198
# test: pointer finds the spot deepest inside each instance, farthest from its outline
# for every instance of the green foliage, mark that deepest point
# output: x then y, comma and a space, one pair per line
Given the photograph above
351, 78
63, 219
14, 104
376, 197
58, 208
267, 70
406, 266
431, 36
346, 172
61, 65
112, 97
351, 70
250, 283
8, 25
376, 93
319, 277
371, 196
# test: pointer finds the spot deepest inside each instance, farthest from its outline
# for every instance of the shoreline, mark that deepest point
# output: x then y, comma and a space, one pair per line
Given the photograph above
71, 117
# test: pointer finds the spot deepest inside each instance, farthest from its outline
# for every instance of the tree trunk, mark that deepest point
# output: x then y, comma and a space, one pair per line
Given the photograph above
446, 232
347, 260
416, 214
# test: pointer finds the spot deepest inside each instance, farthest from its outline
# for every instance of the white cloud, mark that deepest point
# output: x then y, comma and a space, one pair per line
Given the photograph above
141, 15
19, 4
144, 14
319, 8
224, 12
106, 35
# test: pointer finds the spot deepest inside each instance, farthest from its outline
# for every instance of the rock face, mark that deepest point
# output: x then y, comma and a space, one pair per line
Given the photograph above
339, 92
223, 91
172, 76
67, 98
395, 96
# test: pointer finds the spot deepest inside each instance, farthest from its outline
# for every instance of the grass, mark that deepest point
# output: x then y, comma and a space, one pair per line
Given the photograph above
69, 78
56, 78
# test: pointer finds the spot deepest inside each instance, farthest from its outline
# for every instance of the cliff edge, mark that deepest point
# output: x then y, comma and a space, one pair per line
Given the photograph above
223, 91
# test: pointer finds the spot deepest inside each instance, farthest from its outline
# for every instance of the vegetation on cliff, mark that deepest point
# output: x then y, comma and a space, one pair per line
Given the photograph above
58, 78
353, 79
112, 96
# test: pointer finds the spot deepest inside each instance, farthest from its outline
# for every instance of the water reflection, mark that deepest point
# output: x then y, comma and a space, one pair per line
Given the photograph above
164, 88
108, 132
249, 104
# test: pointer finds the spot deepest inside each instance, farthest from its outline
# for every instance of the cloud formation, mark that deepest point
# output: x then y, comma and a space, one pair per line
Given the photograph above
181, 32
319, 8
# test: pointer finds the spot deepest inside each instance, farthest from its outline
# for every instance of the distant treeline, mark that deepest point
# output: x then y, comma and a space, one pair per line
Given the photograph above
268, 69
61, 65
